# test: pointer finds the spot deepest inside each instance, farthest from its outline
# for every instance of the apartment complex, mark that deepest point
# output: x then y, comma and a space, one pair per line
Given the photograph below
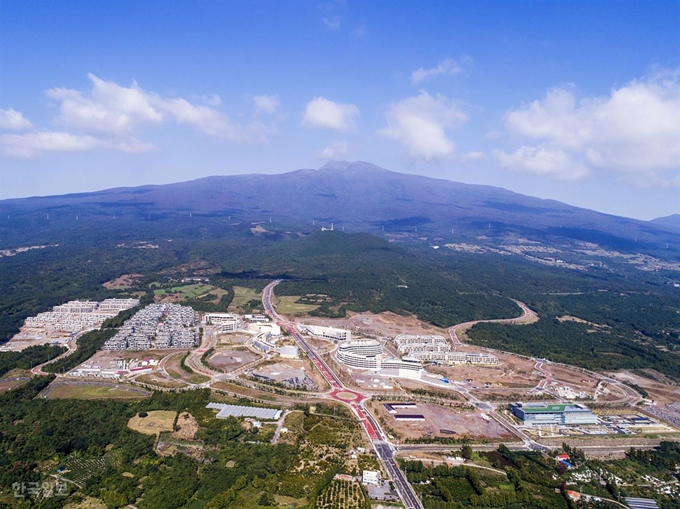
435, 348
157, 326
76, 316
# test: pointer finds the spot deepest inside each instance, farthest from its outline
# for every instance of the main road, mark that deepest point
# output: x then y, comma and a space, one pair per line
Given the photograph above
351, 398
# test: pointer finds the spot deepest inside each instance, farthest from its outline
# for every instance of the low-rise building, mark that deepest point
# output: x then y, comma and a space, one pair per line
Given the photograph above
328, 332
371, 477
538, 414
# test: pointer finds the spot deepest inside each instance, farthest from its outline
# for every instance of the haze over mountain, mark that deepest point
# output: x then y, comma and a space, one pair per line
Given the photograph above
359, 196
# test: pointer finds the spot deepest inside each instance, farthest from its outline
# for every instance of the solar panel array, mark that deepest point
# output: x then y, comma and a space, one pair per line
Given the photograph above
244, 411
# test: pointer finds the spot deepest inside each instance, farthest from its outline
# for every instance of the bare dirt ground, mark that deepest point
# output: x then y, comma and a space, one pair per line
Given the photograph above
233, 338
383, 324
465, 423
187, 427
155, 422
160, 380
302, 366
123, 282
661, 393
229, 360
7, 384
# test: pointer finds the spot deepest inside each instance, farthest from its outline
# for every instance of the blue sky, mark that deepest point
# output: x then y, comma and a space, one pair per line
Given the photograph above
576, 100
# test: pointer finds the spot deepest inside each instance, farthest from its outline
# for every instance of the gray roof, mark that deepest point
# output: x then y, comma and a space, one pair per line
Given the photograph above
244, 411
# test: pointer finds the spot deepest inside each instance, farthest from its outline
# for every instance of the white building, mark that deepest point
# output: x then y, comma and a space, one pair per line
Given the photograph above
371, 477
289, 352
265, 328
256, 318
228, 322
327, 332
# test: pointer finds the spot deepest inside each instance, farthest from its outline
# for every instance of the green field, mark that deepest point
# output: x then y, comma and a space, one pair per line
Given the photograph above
91, 391
243, 295
185, 292
287, 305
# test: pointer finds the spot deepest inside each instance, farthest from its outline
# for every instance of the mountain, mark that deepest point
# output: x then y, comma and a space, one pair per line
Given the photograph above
672, 221
357, 196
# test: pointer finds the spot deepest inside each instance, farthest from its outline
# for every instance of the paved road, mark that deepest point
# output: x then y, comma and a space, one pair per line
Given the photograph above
461, 327
354, 400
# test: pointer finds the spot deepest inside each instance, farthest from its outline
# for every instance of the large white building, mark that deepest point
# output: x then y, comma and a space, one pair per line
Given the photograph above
368, 354
228, 322
327, 332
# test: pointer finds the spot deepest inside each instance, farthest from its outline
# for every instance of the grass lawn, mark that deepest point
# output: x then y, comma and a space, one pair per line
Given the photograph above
95, 391
287, 306
155, 422
242, 295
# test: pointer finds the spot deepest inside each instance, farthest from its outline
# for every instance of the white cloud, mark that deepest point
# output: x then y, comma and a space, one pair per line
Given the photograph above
266, 103
634, 130
332, 24
109, 108
13, 120
446, 67
30, 145
475, 156
325, 114
542, 160
420, 124
120, 111
336, 150
111, 116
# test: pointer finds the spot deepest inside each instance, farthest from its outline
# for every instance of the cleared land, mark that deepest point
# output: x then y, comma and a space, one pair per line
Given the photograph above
155, 422
183, 292
229, 360
7, 384
92, 390
242, 296
123, 282
159, 380
175, 370
463, 422
382, 324
288, 305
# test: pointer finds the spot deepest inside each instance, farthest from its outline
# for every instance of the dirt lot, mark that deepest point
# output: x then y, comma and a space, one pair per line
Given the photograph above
92, 390
465, 423
155, 422
228, 360
9, 383
233, 338
187, 427
160, 380
662, 393
383, 324
281, 368
123, 282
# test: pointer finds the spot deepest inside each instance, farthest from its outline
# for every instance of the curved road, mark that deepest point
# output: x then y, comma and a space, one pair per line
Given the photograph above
527, 314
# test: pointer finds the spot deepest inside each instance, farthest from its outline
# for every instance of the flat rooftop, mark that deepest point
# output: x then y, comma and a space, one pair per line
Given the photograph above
244, 411
552, 408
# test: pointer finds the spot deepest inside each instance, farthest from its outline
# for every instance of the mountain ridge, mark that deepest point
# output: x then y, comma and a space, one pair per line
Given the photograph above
361, 197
